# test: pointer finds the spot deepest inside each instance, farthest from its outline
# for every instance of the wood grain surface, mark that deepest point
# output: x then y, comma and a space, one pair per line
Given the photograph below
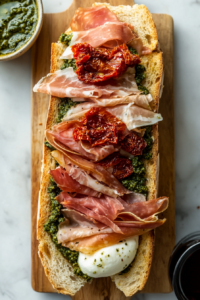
104, 289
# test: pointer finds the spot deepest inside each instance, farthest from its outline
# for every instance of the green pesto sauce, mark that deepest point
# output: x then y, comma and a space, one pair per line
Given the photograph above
49, 146
56, 217
18, 20
66, 39
69, 63
64, 106
139, 74
51, 226
137, 181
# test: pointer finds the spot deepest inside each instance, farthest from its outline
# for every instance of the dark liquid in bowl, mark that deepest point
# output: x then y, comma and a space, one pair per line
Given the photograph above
190, 276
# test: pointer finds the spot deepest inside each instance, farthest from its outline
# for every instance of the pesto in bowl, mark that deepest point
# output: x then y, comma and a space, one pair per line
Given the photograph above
18, 24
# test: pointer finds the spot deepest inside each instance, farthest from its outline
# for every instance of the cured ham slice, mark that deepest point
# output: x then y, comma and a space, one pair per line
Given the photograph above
91, 208
90, 244
133, 116
143, 101
98, 172
63, 132
111, 34
86, 180
78, 225
92, 17
115, 213
64, 83
67, 184
78, 111
107, 206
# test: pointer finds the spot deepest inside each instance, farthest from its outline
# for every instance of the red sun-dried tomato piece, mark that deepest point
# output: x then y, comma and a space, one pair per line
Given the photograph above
98, 116
99, 64
123, 169
110, 161
81, 133
133, 144
99, 128
101, 136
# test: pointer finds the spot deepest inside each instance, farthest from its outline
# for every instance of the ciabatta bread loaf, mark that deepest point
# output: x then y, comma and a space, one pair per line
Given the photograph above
58, 270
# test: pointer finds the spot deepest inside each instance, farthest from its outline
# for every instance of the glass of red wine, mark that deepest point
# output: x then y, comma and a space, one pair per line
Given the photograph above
184, 268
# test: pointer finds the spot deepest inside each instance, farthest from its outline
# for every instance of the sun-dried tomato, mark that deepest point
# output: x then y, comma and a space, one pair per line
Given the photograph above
133, 144
110, 161
122, 167
98, 116
81, 133
99, 64
99, 128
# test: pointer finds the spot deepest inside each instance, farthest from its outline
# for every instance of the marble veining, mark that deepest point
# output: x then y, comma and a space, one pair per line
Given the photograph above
15, 148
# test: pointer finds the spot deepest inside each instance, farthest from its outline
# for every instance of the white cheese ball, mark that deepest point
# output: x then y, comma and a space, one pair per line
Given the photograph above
110, 260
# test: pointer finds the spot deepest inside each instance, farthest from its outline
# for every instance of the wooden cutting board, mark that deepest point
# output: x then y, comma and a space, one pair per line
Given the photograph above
104, 289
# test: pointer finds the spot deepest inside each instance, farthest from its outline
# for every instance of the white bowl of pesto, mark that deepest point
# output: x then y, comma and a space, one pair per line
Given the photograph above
20, 25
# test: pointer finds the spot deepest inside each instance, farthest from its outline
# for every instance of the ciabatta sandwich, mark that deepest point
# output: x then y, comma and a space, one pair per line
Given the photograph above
98, 207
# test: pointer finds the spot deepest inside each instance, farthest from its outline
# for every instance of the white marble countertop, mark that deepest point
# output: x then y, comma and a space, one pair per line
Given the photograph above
15, 132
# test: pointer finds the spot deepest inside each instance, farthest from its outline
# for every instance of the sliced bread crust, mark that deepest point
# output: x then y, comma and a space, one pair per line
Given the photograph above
58, 270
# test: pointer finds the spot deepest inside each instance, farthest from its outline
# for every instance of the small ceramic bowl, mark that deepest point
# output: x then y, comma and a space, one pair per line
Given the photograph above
32, 40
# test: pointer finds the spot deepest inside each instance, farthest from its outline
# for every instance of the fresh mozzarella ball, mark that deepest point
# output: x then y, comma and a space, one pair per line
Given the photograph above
110, 260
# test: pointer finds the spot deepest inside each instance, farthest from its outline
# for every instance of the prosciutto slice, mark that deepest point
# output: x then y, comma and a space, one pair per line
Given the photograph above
98, 172
64, 83
78, 225
93, 235
143, 101
67, 184
78, 111
89, 245
117, 212
86, 180
90, 207
133, 116
110, 34
92, 17
63, 132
